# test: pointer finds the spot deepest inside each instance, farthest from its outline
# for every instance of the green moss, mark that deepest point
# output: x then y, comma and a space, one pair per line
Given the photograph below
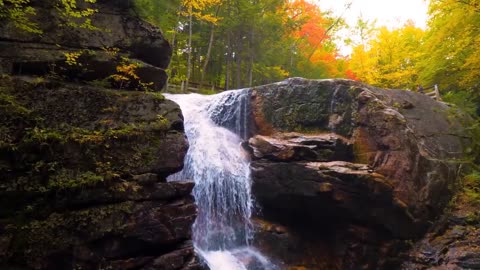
12, 116
473, 195
8, 104
66, 179
473, 218
47, 167
88, 136
161, 123
158, 96
354, 90
472, 188
41, 135
70, 139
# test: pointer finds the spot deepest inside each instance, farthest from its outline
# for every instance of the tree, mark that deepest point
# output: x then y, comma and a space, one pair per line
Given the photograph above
196, 8
390, 60
451, 59
239, 43
19, 12
313, 53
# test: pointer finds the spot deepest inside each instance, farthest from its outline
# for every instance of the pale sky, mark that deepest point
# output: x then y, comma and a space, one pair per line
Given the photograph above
390, 13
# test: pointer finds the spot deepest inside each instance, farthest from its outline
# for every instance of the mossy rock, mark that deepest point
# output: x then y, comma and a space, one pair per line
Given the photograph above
73, 160
60, 137
305, 106
69, 131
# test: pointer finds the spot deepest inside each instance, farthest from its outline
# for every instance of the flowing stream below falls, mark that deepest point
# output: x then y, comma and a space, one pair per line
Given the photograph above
215, 126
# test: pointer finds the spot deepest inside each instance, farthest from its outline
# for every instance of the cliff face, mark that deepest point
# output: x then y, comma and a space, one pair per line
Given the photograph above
118, 33
346, 175
83, 179
83, 168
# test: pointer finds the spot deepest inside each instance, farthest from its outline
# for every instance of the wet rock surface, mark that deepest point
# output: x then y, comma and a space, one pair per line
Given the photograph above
319, 191
136, 228
453, 242
354, 173
83, 179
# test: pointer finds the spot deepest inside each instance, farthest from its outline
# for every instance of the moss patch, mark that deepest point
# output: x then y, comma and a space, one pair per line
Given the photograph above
472, 188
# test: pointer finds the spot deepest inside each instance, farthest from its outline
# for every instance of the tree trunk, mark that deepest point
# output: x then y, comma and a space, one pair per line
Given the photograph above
251, 56
250, 72
209, 50
238, 61
172, 43
227, 62
337, 21
207, 57
189, 55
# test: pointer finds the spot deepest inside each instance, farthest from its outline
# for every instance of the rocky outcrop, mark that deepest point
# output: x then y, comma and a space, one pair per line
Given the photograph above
454, 240
83, 179
294, 147
129, 226
117, 33
353, 172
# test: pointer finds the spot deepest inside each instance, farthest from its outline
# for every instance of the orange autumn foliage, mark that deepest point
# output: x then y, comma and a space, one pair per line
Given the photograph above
309, 20
310, 30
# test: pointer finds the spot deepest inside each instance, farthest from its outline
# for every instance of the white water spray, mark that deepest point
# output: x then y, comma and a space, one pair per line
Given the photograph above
215, 126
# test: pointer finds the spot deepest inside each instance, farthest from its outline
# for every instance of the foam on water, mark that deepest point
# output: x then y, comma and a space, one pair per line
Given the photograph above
215, 126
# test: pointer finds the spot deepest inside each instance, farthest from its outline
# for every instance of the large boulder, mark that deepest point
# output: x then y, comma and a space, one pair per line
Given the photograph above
82, 179
334, 157
118, 33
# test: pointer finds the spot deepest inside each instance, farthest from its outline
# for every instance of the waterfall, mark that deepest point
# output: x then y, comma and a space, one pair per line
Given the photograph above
215, 126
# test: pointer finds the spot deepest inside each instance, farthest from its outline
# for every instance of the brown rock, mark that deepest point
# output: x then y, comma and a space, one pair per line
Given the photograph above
294, 146
103, 235
297, 192
454, 240
388, 185
83, 179
412, 152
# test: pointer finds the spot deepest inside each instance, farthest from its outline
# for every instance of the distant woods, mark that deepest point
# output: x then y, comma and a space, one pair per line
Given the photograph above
240, 43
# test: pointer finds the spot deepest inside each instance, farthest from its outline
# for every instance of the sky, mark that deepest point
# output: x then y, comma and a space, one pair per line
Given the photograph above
390, 13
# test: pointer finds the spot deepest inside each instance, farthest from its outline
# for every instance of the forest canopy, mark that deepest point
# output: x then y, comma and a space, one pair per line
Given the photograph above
240, 43
443, 54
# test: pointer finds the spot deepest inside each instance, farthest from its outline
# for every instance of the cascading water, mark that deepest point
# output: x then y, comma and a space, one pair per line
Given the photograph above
215, 126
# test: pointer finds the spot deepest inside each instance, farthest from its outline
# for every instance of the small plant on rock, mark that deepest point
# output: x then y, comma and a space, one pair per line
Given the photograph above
127, 76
